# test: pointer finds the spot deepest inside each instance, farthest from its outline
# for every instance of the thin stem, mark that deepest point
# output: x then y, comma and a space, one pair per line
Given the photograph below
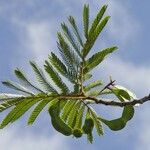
81, 76
85, 104
107, 86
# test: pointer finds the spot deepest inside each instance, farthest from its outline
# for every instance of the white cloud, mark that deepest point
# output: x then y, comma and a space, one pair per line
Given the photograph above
39, 36
127, 73
12, 139
123, 26
144, 130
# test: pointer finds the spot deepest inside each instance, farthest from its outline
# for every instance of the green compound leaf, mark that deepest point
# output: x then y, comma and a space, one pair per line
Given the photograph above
18, 111
17, 87
97, 58
73, 113
55, 77
7, 96
76, 30
79, 118
97, 19
22, 77
71, 39
92, 85
90, 42
60, 67
67, 108
7, 104
37, 110
97, 123
42, 79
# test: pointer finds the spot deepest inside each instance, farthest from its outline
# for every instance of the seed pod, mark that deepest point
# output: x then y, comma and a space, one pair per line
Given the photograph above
116, 124
77, 133
57, 122
88, 125
120, 123
128, 113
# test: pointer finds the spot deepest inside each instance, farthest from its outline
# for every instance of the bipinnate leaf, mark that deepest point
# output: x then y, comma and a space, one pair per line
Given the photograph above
71, 95
42, 79
34, 114
18, 111
55, 77
91, 41
92, 85
17, 87
22, 77
75, 29
97, 123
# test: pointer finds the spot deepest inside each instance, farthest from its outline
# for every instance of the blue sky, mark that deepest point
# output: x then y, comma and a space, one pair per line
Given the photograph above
28, 32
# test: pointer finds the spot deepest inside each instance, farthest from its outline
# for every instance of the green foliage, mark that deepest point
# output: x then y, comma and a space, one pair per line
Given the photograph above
69, 105
56, 78
37, 110
97, 58
92, 85
42, 79
75, 30
22, 77
18, 111
79, 117
73, 113
67, 108
8, 104
97, 20
91, 40
86, 20
17, 87
97, 123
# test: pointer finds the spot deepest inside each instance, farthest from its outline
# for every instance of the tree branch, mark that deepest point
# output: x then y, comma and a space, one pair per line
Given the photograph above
94, 99
120, 104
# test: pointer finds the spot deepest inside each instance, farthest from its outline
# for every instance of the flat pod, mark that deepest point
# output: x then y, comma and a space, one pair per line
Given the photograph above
88, 125
115, 125
77, 133
128, 113
57, 122
120, 123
